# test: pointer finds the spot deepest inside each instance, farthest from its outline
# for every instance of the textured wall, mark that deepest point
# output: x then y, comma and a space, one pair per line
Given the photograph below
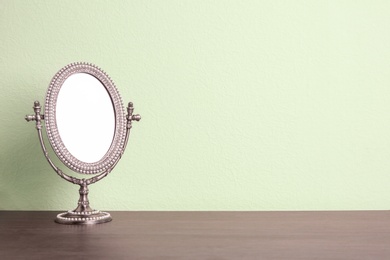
246, 105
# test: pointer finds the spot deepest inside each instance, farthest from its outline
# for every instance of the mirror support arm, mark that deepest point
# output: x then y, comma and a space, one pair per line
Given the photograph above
37, 117
130, 118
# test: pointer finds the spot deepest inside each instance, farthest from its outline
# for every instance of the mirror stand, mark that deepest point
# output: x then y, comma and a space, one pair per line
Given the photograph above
83, 214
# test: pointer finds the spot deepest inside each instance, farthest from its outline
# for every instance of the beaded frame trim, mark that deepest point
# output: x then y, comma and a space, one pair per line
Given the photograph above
116, 149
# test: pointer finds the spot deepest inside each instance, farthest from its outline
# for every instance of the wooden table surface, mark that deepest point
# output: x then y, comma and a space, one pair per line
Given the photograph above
199, 235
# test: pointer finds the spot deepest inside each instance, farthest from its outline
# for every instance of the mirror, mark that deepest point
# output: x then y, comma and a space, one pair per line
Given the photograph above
87, 126
87, 129
85, 119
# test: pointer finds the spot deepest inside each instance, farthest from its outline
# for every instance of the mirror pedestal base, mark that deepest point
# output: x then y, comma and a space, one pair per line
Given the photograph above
83, 218
83, 214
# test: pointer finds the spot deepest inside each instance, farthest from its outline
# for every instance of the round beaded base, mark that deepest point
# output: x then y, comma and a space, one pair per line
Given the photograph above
83, 218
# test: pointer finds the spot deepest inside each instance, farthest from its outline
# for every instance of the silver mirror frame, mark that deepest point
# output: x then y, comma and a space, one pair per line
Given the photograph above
114, 152
83, 214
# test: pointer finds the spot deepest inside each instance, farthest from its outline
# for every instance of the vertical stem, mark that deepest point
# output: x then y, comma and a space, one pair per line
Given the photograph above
83, 203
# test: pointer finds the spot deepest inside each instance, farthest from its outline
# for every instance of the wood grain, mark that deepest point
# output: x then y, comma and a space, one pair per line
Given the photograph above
199, 235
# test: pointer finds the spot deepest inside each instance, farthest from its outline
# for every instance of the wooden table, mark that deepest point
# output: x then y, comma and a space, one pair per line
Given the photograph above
199, 235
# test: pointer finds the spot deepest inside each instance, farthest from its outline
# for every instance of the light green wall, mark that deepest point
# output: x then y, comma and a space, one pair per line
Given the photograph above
246, 105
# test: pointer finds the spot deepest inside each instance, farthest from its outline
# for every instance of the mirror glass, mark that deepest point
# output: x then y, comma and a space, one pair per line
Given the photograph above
85, 117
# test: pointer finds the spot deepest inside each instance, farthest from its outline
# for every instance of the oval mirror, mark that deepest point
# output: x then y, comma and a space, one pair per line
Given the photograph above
85, 118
